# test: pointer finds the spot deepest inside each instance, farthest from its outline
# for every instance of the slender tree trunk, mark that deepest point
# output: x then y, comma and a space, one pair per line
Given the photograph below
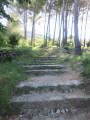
63, 23
24, 23
45, 23
81, 26
65, 40
47, 31
49, 28
76, 39
44, 27
60, 25
69, 15
45, 44
33, 30
86, 26
71, 29
55, 24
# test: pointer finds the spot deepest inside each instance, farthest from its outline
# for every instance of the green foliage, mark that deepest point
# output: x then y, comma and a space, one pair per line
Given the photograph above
2, 28
66, 48
2, 10
11, 73
22, 1
86, 67
88, 43
14, 39
1, 38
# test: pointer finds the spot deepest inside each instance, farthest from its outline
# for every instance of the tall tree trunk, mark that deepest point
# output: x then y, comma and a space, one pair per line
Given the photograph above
45, 22
49, 29
71, 29
45, 43
69, 15
33, 30
45, 27
55, 24
86, 25
65, 40
82, 25
76, 39
24, 23
60, 25
63, 23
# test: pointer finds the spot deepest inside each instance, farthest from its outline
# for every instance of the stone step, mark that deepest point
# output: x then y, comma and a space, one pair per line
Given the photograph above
44, 66
46, 58
58, 115
45, 71
78, 116
50, 81
52, 100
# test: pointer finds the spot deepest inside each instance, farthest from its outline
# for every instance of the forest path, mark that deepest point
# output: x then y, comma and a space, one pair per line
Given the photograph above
52, 92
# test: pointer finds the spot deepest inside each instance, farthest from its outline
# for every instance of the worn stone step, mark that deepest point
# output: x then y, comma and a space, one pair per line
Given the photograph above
78, 116
50, 80
52, 100
46, 58
73, 115
44, 66
45, 71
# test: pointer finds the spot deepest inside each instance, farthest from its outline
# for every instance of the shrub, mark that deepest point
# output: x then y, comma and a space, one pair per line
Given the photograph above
14, 39
88, 44
86, 67
66, 48
1, 38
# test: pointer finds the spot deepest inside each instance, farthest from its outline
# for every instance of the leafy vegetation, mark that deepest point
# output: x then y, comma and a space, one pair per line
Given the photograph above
11, 73
14, 39
86, 67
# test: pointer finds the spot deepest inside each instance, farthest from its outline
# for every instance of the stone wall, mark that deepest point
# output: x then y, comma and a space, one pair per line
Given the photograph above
6, 55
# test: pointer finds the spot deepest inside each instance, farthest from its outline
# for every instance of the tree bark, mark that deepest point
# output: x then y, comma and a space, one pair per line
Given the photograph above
65, 40
63, 22
71, 29
81, 26
25, 21
86, 25
33, 30
44, 27
76, 39
55, 25
45, 43
60, 25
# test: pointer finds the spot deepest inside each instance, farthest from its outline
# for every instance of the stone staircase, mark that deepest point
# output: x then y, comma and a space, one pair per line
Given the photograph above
52, 92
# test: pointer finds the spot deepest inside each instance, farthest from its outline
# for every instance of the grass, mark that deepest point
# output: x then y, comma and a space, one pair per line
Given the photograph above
11, 73
76, 61
86, 67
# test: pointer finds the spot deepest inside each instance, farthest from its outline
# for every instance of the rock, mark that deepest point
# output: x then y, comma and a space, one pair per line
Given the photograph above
67, 110
74, 111
71, 90
63, 111
52, 113
58, 111
0, 118
20, 116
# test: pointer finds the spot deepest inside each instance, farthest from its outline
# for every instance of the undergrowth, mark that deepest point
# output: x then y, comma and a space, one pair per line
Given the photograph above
13, 72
